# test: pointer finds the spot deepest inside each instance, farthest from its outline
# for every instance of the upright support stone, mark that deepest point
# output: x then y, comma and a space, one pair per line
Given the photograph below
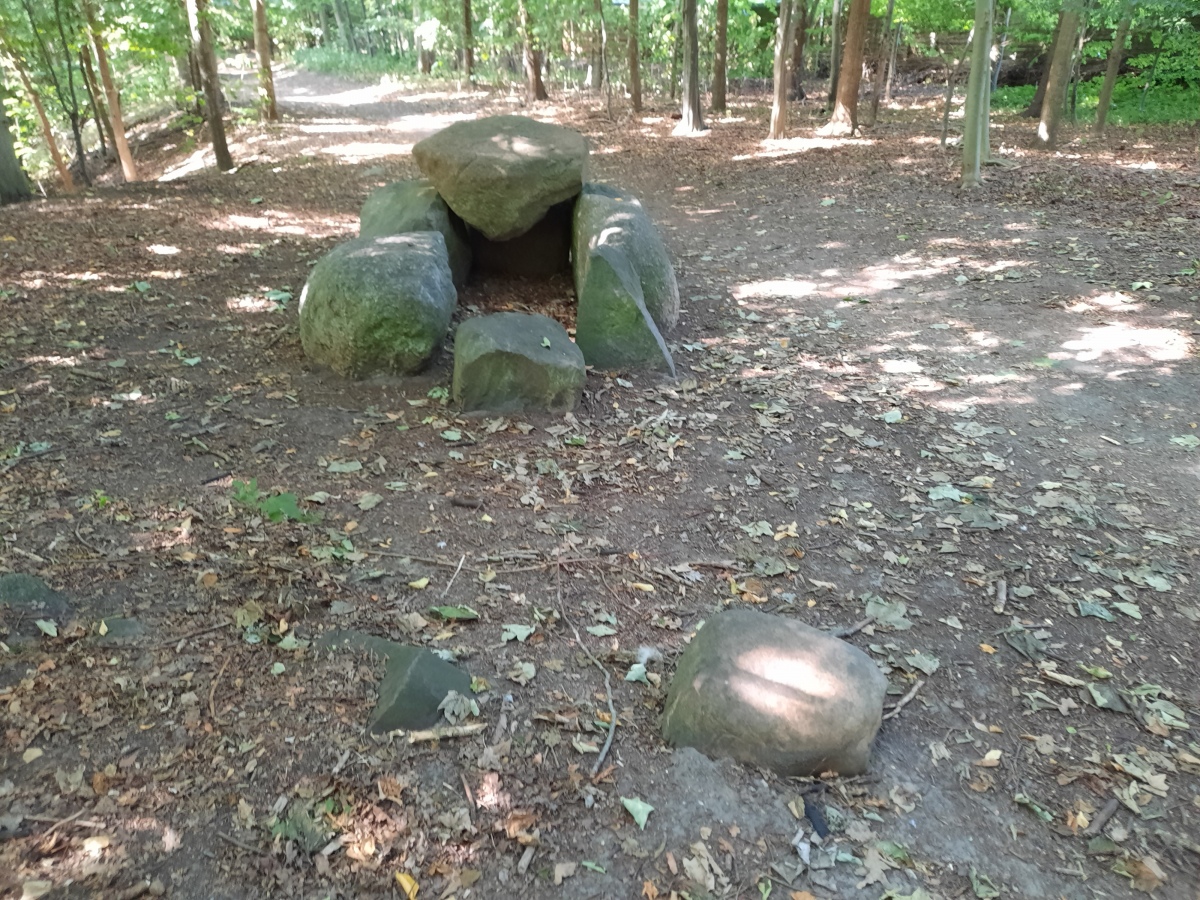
613, 328
412, 206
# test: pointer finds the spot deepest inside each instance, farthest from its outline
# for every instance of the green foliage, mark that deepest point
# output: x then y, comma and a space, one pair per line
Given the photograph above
1164, 103
275, 508
335, 61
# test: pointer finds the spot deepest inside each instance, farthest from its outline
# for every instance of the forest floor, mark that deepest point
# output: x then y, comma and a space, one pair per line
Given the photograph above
973, 415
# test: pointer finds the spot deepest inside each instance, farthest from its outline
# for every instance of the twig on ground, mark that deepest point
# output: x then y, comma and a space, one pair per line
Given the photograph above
612, 710
79, 537
29, 554
212, 693
232, 840
852, 629
1001, 596
68, 820
1102, 817
445, 731
904, 701
195, 634
455, 575
10, 464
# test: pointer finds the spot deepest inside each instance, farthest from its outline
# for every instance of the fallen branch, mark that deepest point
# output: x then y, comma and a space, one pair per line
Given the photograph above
212, 693
232, 840
904, 701
1098, 823
445, 731
455, 575
852, 629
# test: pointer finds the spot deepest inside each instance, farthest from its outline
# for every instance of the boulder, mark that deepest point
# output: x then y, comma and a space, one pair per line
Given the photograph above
772, 692
607, 216
378, 304
545, 249
613, 328
24, 599
501, 174
408, 206
415, 681
511, 361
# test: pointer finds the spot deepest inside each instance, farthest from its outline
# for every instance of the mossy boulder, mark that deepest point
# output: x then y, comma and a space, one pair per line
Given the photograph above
378, 305
613, 328
408, 206
512, 361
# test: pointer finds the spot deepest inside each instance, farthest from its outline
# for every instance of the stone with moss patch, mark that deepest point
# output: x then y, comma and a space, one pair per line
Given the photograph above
408, 206
613, 328
511, 361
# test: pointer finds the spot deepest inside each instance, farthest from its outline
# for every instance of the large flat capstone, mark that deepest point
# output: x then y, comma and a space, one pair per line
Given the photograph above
378, 304
501, 174
607, 216
511, 361
414, 683
770, 691
613, 328
408, 206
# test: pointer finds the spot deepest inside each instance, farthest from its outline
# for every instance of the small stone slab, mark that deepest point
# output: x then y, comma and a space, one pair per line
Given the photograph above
415, 681
24, 599
512, 361
119, 630
613, 328
770, 691
612, 217
408, 206
502, 173
378, 305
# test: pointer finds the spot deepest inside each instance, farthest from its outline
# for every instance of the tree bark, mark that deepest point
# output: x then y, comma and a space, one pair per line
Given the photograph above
691, 120
635, 72
802, 16
979, 82
845, 108
468, 41
535, 89
64, 173
104, 129
1034, 109
341, 13
881, 56
262, 46
1056, 84
1115, 56
201, 33
781, 72
720, 50
835, 50
14, 186
595, 50
128, 167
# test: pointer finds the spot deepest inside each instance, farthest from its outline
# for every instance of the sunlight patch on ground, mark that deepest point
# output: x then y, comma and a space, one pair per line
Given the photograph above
792, 146
360, 150
773, 290
1113, 300
163, 249
1127, 343
900, 366
190, 166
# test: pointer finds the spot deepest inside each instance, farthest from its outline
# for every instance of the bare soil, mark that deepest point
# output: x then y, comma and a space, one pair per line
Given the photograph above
973, 411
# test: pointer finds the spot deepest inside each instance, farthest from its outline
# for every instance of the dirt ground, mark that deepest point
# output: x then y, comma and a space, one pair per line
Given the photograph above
969, 416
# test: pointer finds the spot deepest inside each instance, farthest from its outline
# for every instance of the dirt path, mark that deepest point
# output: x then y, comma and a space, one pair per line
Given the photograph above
978, 410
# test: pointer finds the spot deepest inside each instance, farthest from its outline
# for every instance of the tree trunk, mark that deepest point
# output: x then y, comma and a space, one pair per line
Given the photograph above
468, 41
799, 40
60, 164
535, 89
1056, 84
1000, 50
128, 167
1034, 109
323, 12
891, 72
201, 34
262, 46
1115, 55
845, 109
781, 72
345, 29
884, 45
979, 82
635, 73
720, 49
14, 186
691, 121
835, 51
99, 112
676, 54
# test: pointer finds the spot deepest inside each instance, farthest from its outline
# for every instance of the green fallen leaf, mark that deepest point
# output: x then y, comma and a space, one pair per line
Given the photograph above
451, 434
637, 672
983, 886
516, 632
455, 613
601, 630
546, 342
639, 809
278, 668
1130, 609
47, 627
369, 501
593, 867
1187, 441
892, 416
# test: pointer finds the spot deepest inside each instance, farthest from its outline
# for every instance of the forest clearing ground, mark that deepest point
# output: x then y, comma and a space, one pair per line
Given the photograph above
974, 414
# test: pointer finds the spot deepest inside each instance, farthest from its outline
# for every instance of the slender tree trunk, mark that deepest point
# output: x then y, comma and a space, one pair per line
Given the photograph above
323, 12
1000, 53
835, 51
676, 54
104, 129
720, 49
128, 167
595, 64
975, 116
635, 73
1034, 109
201, 34
691, 121
345, 30
845, 109
468, 41
71, 105
14, 186
891, 72
951, 81
1115, 56
1056, 84
802, 18
262, 46
884, 45
536, 90
60, 164
783, 63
